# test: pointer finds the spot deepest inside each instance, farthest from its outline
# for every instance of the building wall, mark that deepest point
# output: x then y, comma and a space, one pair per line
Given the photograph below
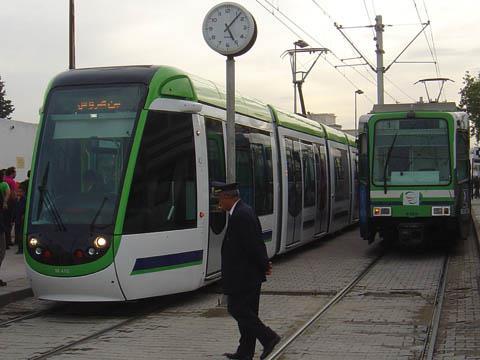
16, 146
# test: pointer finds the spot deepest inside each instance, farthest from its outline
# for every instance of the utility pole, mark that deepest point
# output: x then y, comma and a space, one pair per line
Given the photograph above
71, 45
380, 69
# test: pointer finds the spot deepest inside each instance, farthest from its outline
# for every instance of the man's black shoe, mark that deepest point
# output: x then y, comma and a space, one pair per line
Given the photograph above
3, 283
267, 349
236, 356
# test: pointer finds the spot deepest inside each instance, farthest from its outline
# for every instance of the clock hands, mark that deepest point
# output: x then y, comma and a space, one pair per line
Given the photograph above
227, 27
236, 17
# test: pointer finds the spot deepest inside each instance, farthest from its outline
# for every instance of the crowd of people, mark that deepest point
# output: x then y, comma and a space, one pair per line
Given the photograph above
12, 211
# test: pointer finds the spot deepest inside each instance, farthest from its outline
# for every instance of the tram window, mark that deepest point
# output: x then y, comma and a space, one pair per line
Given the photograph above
308, 176
254, 168
340, 159
163, 191
216, 170
462, 156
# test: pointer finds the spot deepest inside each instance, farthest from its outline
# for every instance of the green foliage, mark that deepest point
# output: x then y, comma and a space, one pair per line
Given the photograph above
470, 101
6, 107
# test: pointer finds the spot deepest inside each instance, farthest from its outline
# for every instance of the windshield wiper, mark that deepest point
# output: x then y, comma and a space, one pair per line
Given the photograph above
41, 188
97, 214
386, 163
49, 204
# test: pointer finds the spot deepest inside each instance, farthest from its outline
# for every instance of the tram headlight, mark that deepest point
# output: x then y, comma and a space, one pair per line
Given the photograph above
100, 243
382, 211
91, 251
440, 210
38, 251
33, 242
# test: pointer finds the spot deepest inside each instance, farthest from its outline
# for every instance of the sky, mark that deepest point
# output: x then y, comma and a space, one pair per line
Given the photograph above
34, 47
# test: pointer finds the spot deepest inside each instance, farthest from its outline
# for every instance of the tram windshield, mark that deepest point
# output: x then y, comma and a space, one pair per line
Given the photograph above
411, 152
82, 154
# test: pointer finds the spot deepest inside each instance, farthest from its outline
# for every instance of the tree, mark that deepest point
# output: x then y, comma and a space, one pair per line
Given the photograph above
6, 107
470, 101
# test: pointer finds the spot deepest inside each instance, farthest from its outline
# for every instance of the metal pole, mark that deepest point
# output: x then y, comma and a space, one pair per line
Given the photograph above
380, 52
295, 79
355, 113
71, 47
231, 119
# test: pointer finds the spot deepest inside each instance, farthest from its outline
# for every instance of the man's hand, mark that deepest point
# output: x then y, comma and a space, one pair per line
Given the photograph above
269, 269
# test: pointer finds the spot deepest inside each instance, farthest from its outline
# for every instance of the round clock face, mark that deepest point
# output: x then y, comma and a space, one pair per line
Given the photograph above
229, 29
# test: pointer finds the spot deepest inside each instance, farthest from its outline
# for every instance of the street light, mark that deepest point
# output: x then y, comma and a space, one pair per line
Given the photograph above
359, 92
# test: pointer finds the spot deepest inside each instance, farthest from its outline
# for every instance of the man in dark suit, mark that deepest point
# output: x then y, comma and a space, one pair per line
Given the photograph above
244, 266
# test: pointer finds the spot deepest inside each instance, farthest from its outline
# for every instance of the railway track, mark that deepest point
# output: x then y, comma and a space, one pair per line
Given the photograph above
338, 297
429, 345
32, 314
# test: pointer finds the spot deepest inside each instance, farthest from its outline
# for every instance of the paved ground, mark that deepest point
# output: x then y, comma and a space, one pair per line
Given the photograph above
385, 317
12, 271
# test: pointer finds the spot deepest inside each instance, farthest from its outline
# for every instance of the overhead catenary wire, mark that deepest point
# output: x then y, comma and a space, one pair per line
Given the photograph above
368, 16
331, 18
311, 37
435, 60
426, 38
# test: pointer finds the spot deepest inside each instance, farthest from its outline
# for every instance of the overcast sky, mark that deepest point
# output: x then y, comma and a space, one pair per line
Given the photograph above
34, 46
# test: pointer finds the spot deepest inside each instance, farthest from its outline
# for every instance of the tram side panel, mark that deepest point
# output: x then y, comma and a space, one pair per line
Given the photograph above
162, 249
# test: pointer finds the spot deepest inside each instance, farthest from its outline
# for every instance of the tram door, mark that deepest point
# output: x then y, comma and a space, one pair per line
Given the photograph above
354, 178
321, 222
216, 172
340, 187
295, 191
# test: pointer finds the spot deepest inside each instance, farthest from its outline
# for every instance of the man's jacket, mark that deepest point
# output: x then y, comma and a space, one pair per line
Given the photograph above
244, 255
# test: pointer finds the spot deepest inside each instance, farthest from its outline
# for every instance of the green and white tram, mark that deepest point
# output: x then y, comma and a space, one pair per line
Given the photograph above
120, 206
414, 172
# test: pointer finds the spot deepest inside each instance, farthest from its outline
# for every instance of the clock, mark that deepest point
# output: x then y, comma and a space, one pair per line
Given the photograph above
229, 29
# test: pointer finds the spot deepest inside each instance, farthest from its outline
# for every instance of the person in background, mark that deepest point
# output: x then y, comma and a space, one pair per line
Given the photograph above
476, 187
24, 183
4, 193
4, 196
10, 174
19, 217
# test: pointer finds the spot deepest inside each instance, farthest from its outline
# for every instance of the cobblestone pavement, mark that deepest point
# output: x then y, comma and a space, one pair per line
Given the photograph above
195, 327
459, 331
386, 316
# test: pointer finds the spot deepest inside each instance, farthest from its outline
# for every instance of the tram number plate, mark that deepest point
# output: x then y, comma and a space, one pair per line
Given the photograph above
61, 271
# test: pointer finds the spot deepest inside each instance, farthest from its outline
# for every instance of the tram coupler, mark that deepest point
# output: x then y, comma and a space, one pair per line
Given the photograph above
411, 233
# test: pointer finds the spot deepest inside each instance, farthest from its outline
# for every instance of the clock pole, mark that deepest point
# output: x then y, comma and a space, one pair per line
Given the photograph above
230, 30
231, 161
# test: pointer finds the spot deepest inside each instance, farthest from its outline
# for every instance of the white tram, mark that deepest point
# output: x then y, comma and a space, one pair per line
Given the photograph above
120, 205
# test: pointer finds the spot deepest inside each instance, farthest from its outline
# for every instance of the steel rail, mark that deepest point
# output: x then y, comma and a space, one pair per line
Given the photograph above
59, 349
429, 345
31, 315
339, 296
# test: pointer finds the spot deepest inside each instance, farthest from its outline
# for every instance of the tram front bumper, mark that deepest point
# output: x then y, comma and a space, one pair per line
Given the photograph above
98, 287
411, 233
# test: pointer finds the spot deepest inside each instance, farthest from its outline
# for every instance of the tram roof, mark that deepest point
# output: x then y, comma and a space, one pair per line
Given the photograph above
171, 82
299, 123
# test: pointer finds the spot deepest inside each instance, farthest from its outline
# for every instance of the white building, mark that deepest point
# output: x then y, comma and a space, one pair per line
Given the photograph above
17, 140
